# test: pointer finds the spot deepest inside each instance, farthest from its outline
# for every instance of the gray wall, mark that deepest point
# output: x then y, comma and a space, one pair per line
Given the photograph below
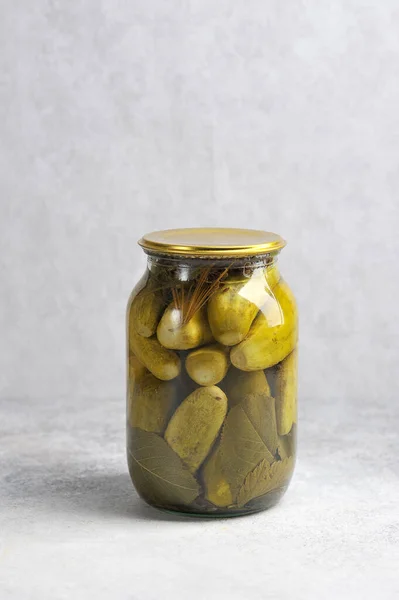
121, 117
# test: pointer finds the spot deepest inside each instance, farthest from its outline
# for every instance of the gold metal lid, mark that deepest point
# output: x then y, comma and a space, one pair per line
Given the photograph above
212, 241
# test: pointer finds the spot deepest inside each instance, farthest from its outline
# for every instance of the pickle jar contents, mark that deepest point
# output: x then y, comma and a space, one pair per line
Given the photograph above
211, 373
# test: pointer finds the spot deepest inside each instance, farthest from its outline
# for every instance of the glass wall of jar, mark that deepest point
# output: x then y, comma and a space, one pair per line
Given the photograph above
212, 373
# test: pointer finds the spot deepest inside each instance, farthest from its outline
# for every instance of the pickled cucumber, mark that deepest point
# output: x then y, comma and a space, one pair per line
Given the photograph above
173, 333
238, 384
195, 425
286, 386
217, 488
146, 310
163, 363
230, 314
273, 334
232, 309
208, 365
152, 402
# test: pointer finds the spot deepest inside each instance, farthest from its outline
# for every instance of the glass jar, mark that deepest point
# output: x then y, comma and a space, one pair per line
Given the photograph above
212, 373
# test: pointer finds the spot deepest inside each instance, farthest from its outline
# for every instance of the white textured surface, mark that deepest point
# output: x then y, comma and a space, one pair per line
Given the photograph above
71, 526
119, 117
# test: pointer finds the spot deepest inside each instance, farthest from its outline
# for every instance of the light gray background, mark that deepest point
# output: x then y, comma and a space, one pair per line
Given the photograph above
121, 117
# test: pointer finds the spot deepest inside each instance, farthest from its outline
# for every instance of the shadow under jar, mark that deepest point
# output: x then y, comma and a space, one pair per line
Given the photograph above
212, 373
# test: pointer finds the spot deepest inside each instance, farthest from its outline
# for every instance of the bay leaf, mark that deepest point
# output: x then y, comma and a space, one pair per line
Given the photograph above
264, 478
261, 410
158, 473
242, 447
287, 444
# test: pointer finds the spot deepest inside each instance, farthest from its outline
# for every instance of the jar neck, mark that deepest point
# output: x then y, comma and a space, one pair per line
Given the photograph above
185, 268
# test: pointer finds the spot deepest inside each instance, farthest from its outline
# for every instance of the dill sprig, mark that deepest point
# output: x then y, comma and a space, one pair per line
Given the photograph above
198, 293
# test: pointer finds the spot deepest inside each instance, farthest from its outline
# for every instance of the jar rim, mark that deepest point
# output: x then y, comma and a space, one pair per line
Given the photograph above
215, 242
